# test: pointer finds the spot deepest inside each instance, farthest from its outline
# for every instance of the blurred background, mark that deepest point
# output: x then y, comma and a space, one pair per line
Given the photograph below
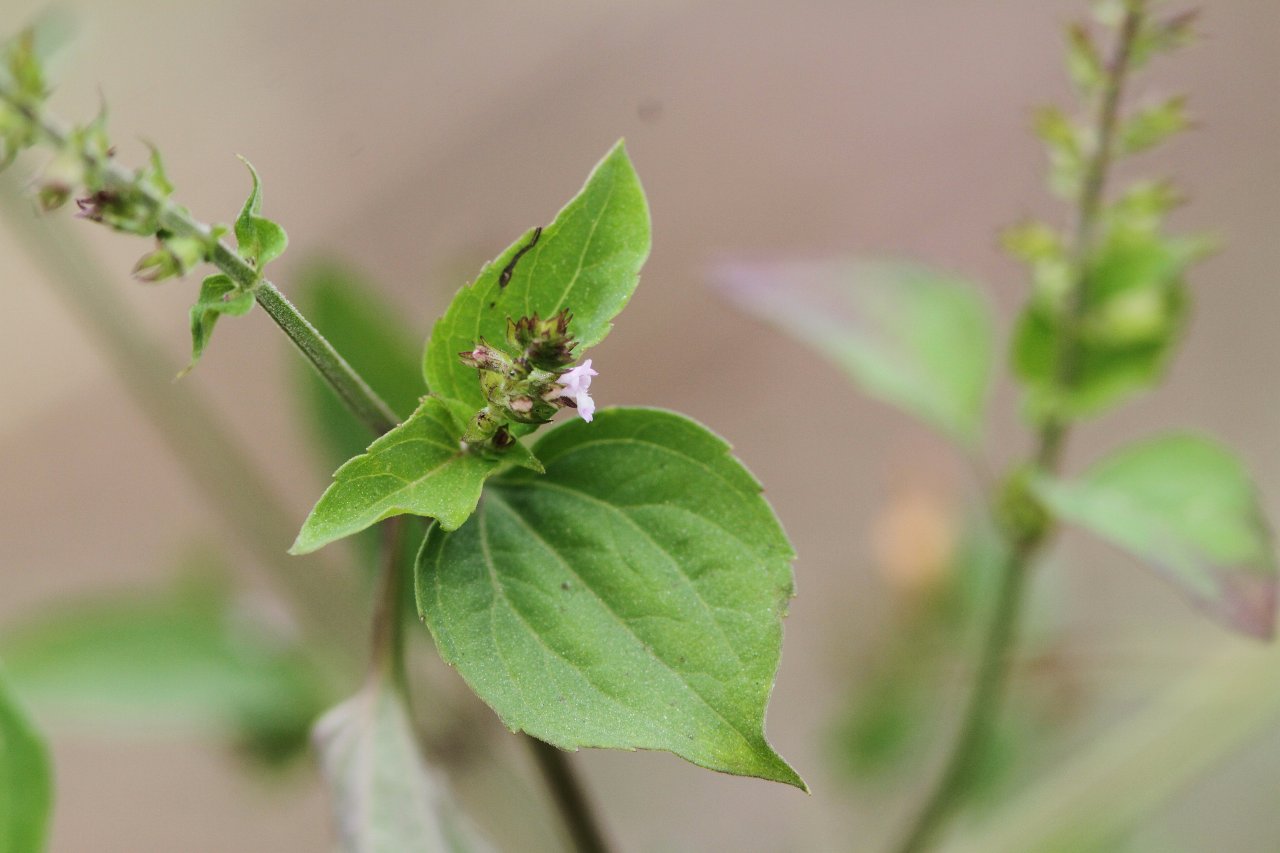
412, 141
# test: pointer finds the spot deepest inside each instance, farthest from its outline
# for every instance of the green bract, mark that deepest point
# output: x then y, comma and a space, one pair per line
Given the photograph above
259, 240
219, 295
385, 798
1185, 504
908, 335
588, 260
630, 597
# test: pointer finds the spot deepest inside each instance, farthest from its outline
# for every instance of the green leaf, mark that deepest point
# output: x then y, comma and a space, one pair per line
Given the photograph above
218, 295
588, 260
629, 598
419, 467
26, 780
1152, 125
910, 336
373, 337
171, 661
1134, 312
1066, 143
1185, 504
258, 240
385, 798
1083, 62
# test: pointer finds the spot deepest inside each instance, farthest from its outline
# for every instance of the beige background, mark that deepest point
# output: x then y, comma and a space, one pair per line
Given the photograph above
416, 139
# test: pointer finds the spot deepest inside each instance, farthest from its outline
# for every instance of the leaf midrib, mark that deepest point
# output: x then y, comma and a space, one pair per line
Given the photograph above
734, 727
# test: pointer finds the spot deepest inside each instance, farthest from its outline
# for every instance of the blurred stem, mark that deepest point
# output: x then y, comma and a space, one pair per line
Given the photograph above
1099, 793
996, 652
1053, 432
570, 796
199, 440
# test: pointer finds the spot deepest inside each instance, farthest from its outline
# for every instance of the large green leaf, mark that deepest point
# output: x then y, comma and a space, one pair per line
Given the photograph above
385, 798
1185, 504
419, 467
588, 260
631, 597
180, 661
26, 786
374, 339
913, 337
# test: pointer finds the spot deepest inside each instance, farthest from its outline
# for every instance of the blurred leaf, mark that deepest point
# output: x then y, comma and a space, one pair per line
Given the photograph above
418, 468
218, 295
26, 779
629, 598
372, 336
1152, 125
1185, 504
385, 798
1083, 62
910, 336
179, 661
1161, 35
1134, 311
588, 260
258, 240
1066, 145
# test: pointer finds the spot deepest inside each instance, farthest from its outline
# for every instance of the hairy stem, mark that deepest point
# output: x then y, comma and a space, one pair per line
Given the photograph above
354, 391
996, 653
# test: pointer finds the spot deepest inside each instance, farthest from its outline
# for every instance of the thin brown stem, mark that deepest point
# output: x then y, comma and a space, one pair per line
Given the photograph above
570, 796
387, 644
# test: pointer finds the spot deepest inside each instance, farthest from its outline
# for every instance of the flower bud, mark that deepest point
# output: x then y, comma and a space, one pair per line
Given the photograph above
544, 344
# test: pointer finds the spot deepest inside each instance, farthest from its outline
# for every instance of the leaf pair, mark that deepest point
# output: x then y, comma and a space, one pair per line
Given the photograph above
619, 584
258, 241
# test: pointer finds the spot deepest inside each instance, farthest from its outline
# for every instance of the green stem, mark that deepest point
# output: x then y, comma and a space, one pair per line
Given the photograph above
354, 391
984, 704
996, 652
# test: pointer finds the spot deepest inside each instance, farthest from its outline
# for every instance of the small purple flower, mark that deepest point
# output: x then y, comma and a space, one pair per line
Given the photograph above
575, 383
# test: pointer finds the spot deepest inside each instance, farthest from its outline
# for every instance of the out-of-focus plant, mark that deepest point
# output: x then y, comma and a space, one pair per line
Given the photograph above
1106, 309
619, 582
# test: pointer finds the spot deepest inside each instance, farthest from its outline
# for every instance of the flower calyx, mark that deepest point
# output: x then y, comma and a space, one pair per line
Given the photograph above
527, 381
